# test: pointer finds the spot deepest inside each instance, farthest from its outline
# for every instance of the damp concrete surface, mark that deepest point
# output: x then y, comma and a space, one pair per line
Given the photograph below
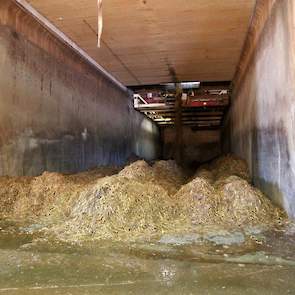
219, 262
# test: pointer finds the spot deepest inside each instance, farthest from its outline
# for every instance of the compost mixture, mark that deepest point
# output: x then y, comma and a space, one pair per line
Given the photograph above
140, 201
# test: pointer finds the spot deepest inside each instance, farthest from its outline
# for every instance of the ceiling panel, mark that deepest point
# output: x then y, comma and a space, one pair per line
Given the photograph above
157, 41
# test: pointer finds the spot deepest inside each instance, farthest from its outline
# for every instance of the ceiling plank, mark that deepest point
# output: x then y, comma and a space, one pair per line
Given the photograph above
143, 40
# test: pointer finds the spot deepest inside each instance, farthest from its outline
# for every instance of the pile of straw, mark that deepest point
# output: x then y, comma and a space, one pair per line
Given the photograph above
230, 165
121, 208
241, 204
47, 195
11, 190
205, 174
140, 201
220, 193
169, 175
163, 173
140, 171
198, 201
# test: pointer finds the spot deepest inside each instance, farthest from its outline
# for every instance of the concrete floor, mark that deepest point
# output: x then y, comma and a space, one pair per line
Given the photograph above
175, 265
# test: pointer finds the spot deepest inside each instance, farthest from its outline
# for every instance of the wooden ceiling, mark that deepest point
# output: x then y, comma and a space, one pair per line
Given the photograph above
157, 41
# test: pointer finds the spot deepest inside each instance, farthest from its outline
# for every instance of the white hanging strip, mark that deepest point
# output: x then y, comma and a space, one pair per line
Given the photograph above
61, 36
100, 23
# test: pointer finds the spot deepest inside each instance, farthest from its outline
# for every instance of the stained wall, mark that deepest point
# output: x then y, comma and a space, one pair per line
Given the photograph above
58, 112
261, 122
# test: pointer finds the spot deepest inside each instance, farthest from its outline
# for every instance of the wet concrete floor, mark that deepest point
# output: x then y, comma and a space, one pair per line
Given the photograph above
219, 263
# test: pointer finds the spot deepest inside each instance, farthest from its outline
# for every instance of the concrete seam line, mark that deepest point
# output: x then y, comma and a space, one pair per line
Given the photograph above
52, 28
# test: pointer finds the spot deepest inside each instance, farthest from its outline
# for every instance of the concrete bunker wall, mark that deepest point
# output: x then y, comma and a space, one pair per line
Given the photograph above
57, 111
261, 121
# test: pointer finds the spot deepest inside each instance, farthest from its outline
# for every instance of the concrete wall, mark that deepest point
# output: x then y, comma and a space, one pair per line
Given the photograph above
198, 146
262, 118
57, 111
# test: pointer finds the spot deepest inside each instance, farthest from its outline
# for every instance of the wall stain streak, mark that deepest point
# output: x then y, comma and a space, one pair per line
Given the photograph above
261, 121
57, 111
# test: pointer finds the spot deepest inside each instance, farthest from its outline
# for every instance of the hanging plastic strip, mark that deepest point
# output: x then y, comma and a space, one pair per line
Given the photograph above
100, 22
